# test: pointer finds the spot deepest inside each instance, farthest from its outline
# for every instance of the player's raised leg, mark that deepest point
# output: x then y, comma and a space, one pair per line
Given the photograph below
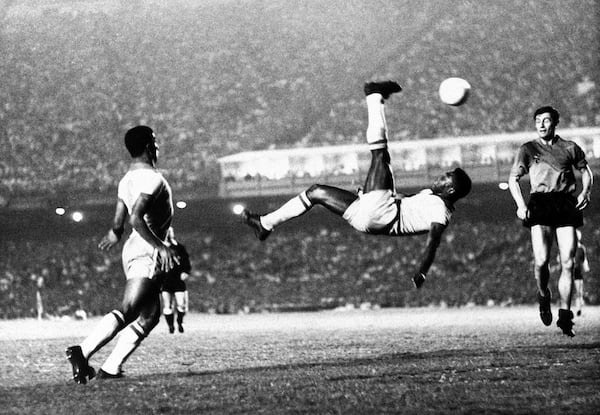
380, 175
332, 198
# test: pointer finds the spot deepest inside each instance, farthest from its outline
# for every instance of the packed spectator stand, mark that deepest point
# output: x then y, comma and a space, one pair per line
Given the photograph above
218, 77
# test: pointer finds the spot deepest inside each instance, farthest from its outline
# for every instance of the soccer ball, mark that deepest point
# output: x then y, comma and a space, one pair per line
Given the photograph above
454, 91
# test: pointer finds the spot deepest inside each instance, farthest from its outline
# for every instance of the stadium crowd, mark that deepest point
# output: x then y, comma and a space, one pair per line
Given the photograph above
220, 77
215, 78
479, 263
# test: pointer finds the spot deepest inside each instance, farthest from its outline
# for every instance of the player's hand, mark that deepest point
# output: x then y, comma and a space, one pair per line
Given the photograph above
418, 279
167, 258
583, 200
523, 213
184, 276
110, 240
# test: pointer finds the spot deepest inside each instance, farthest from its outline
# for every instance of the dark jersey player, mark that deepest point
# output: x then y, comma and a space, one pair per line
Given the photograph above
554, 210
174, 290
378, 209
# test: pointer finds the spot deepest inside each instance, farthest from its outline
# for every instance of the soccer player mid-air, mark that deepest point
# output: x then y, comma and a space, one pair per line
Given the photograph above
378, 209
144, 196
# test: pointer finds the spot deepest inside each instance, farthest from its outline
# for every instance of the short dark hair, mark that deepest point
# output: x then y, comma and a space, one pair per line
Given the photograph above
462, 183
137, 138
551, 110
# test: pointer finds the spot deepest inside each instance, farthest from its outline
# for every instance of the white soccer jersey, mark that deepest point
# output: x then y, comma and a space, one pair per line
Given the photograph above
417, 212
139, 257
151, 182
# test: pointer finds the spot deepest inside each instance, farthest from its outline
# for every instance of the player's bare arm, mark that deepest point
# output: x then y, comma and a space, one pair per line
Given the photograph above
434, 237
114, 234
167, 256
515, 190
587, 179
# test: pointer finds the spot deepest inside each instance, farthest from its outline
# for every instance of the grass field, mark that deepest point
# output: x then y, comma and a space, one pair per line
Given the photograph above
422, 360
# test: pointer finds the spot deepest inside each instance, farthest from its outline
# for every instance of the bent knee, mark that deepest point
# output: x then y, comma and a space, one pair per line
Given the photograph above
316, 192
148, 322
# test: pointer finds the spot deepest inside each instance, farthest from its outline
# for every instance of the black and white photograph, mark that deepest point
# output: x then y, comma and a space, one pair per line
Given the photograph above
299, 207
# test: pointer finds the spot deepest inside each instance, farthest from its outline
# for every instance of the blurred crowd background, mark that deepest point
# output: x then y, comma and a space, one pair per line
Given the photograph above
218, 77
312, 263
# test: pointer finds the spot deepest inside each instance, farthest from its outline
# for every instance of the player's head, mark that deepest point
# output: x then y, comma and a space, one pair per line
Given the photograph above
453, 185
462, 183
141, 139
546, 119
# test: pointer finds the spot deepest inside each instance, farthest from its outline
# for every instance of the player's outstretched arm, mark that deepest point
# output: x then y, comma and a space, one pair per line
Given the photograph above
433, 242
114, 234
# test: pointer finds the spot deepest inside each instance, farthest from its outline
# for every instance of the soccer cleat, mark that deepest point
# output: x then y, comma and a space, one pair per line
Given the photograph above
253, 220
171, 329
385, 88
565, 322
82, 371
418, 280
545, 308
105, 375
578, 313
180, 328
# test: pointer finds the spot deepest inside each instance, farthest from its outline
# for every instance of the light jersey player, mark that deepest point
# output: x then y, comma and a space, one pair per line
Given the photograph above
145, 197
378, 209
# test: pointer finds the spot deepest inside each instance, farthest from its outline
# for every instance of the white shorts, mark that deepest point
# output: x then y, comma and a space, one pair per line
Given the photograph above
372, 211
140, 259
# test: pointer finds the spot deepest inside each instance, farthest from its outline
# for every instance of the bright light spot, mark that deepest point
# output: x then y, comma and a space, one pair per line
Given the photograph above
60, 211
181, 204
237, 209
503, 186
77, 216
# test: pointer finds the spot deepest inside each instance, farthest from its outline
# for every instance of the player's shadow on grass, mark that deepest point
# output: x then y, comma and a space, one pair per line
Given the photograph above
421, 364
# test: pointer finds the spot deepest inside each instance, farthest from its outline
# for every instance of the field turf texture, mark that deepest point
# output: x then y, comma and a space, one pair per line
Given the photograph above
408, 360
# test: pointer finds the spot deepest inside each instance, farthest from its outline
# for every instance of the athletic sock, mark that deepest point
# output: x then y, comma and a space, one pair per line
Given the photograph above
104, 332
129, 340
169, 318
180, 315
291, 209
376, 124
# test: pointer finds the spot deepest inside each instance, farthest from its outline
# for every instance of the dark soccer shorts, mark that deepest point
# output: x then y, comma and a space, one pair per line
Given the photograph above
554, 209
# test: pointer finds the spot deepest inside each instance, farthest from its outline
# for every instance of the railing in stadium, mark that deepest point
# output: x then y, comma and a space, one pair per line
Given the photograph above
487, 158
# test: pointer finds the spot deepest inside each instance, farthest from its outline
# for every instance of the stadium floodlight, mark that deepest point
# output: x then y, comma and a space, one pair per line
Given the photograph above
60, 211
77, 216
237, 209
181, 204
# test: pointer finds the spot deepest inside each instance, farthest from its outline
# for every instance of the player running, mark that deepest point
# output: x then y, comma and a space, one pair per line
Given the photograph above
553, 210
378, 209
145, 196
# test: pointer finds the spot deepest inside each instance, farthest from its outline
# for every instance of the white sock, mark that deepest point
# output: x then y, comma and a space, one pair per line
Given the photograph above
290, 209
104, 332
129, 340
376, 125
